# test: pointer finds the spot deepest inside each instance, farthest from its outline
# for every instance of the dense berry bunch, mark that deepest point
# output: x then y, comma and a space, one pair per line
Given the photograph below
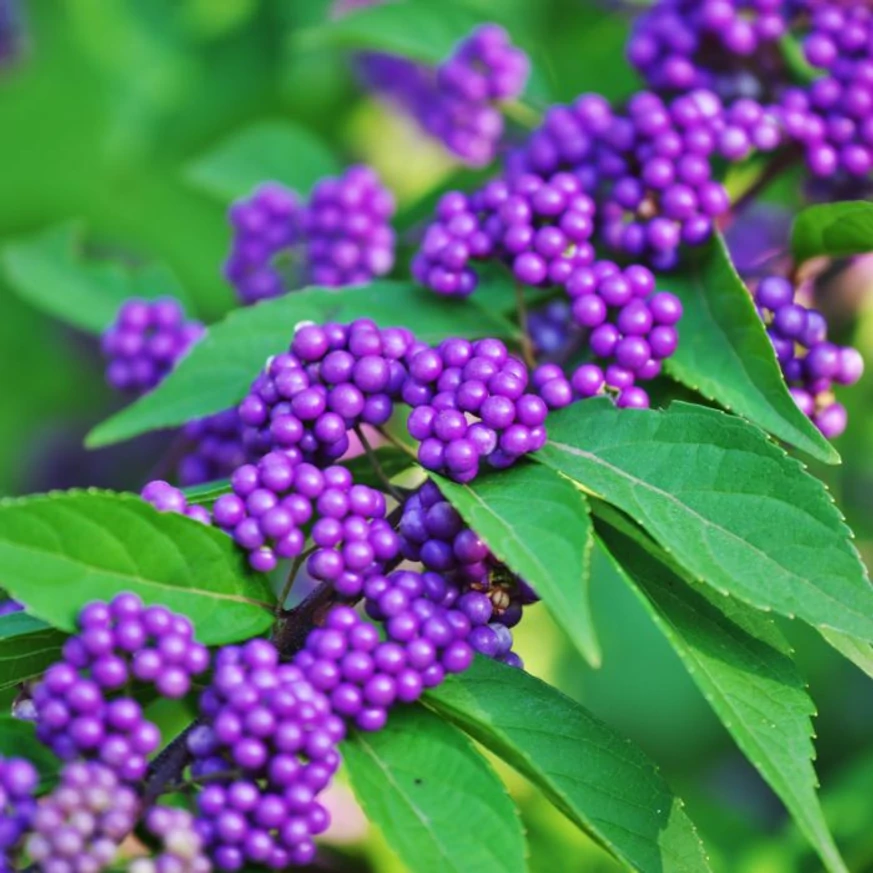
729, 46
145, 342
833, 117
455, 102
539, 227
216, 448
167, 498
80, 825
433, 533
648, 169
418, 612
273, 738
347, 230
266, 228
362, 674
181, 846
811, 364
342, 236
333, 378
630, 328
18, 783
471, 405
273, 500
118, 643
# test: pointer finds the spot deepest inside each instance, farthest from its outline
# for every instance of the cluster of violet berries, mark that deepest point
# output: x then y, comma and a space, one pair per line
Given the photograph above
728, 46
471, 404
216, 448
267, 741
79, 826
810, 363
457, 101
341, 236
80, 710
630, 330
145, 342
18, 783
733, 48
272, 502
433, 533
333, 378
540, 228
181, 847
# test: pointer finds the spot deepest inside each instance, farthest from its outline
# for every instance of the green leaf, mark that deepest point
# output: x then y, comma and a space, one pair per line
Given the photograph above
50, 272
437, 801
421, 31
27, 647
728, 504
62, 550
743, 666
275, 151
835, 230
391, 459
602, 782
18, 740
537, 523
218, 371
724, 352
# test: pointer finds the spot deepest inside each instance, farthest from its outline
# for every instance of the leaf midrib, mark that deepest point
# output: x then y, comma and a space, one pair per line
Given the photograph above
648, 487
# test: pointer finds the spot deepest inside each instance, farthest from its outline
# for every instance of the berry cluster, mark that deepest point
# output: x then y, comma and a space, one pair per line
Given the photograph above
145, 342
273, 500
364, 675
630, 327
216, 448
268, 744
455, 101
728, 46
333, 378
434, 534
833, 117
342, 236
338, 377
810, 363
118, 643
470, 405
18, 782
181, 846
11, 31
539, 227
79, 826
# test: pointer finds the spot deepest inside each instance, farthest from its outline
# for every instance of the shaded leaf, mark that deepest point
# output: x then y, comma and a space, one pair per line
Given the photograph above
437, 801
18, 740
218, 371
724, 352
602, 782
731, 507
50, 272
27, 647
62, 550
268, 151
835, 230
743, 666
537, 523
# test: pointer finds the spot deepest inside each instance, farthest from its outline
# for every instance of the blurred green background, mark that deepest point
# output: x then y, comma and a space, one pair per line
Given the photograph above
103, 114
